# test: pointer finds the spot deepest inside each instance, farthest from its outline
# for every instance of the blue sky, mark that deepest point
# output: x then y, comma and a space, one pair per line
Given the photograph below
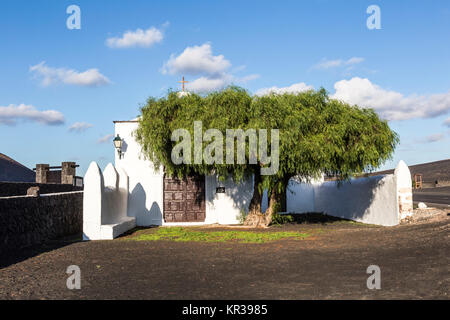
52, 77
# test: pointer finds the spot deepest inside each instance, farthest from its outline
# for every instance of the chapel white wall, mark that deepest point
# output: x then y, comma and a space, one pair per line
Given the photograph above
225, 208
145, 200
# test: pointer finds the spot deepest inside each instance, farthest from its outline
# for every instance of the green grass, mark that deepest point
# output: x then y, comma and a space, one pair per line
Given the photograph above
196, 235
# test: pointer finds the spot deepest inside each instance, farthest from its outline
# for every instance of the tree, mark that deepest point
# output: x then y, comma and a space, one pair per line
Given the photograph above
317, 135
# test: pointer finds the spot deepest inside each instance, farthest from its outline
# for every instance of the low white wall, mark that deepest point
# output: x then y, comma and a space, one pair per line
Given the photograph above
300, 196
115, 195
370, 200
105, 199
381, 200
92, 202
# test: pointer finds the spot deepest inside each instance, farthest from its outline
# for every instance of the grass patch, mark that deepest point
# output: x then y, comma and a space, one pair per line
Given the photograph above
190, 234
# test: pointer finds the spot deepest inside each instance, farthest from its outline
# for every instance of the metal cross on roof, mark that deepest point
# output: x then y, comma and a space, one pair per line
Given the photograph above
183, 82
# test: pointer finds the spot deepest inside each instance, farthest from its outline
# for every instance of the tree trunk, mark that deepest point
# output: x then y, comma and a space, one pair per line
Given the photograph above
273, 205
264, 220
255, 203
255, 217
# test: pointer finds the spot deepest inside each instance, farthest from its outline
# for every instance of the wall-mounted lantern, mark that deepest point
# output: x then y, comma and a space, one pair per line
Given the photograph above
118, 145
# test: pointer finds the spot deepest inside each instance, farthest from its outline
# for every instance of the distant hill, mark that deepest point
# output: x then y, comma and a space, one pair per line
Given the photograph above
430, 171
11, 170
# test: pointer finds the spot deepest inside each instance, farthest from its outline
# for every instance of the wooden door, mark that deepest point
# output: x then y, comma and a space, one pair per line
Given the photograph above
184, 199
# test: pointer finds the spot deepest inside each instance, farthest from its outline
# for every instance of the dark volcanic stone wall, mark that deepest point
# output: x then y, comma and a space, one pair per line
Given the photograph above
8, 189
26, 221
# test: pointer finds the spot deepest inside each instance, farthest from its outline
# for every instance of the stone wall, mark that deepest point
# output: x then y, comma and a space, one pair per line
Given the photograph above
442, 183
65, 173
54, 176
27, 220
435, 184
8, 189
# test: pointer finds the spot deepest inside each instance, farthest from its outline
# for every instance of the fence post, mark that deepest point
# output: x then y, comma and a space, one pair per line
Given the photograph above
404, 190
42, 170
67, 172
92, 202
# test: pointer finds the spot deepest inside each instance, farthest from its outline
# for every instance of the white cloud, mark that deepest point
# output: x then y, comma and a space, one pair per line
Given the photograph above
213, 70
295, 88
432, 138
49, 75
391, 105
138, 38
11, 114
208, 84
447, 122
327, 64
196, 60
354, 60
106, 139
248, 78
80, 127
205, 84
435, 137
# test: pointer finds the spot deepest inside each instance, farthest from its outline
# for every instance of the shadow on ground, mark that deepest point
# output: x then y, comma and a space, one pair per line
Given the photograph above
16, 255
136, 229
315, 218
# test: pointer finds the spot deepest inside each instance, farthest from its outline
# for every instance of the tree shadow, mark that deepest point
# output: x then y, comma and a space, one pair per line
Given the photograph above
315, 218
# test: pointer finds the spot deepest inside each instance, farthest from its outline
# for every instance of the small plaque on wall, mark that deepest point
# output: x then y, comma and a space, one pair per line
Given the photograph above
220, 190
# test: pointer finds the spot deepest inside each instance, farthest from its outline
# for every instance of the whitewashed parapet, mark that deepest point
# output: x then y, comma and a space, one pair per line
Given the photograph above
404, 190
105, 203
110, 194
371, 200
382, 200
92, 202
